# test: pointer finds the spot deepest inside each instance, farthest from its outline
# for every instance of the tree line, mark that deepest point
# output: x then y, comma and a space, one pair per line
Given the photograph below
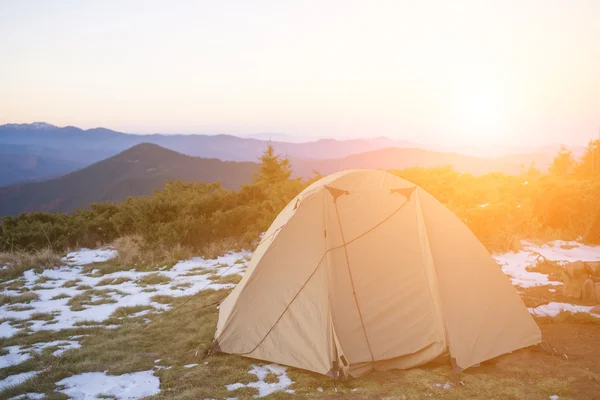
500, 209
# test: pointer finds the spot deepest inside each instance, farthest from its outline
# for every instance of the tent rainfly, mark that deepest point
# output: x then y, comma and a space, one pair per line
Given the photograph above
365, 271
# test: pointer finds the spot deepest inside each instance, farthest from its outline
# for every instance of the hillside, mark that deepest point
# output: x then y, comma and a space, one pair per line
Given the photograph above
400, 158
134, 172
16, 168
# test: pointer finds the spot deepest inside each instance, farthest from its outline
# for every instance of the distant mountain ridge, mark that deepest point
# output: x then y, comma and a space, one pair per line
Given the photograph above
134, 172
401, 158
70, 148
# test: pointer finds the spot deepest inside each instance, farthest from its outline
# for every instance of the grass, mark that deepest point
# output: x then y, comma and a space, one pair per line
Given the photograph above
61, 296
80, 301
154, 279
569, 317
183, 337
182, 285
216, 248
20, 261
26, 297
127, 311
220, 279
19, 307
553, 269
71, 283
113, 281
42, 316
133, 251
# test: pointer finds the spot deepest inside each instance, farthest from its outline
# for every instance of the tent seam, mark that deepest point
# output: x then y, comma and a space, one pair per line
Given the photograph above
313, 273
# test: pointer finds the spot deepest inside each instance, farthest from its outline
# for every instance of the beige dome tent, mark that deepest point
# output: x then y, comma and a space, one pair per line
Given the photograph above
365, 271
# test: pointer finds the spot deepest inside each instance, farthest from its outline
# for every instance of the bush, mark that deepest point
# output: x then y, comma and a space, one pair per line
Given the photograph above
204, 218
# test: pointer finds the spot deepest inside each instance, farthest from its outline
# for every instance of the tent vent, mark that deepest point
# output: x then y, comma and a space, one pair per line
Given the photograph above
406, 192
336, 192
325, 232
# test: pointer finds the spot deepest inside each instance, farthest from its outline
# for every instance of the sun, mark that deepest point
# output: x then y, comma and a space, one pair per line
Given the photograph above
480, 115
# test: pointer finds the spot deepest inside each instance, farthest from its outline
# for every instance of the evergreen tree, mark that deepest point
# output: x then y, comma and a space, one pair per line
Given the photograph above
589, 166
273, 167
564, 163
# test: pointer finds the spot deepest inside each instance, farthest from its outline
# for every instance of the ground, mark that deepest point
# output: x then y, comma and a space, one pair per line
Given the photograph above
98, 329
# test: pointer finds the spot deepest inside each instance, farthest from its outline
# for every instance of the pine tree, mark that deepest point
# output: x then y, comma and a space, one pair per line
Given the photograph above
273, 167
589, 166
563, 163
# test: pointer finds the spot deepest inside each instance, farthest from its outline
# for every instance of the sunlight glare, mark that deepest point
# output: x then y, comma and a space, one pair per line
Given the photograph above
480, 115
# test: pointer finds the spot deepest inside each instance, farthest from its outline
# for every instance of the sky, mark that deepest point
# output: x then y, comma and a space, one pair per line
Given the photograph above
449, 72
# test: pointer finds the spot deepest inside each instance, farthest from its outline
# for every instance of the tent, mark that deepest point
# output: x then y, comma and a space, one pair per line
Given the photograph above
365, 271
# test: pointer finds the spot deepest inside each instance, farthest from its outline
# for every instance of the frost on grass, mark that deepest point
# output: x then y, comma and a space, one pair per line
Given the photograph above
515, 264
92, 385
56, 296
264, 388
17, 379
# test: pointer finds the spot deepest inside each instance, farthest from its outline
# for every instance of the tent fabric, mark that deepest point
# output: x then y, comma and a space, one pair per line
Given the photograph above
366, 271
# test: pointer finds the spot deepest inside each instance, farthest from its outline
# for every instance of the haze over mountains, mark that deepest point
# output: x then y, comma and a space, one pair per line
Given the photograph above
61, 169
134, 172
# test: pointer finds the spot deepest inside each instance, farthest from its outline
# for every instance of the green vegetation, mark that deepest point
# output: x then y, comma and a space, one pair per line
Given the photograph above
207, 219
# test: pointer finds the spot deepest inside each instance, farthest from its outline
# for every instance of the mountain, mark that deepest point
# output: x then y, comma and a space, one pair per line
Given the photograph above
85, 147
134, 172
72, 144
145, 167
400, 158
15, 168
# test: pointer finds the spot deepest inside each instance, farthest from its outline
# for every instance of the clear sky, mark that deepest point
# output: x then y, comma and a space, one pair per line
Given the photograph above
472, 72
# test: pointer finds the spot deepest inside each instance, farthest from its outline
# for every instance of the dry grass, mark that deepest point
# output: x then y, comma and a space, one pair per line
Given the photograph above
154, 279
133, 251
127, 311
26, 297
233, 278
90, 298
20, 261
567, 316
113, 281
217, 248
71, 283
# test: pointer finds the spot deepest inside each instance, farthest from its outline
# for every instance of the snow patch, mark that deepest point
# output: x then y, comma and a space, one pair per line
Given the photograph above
264, 388
14, 357
515, 264
18, 354
6, 330
189, 365
186, 278
31, 396
14, 380
88, 256
553, 309
90, 385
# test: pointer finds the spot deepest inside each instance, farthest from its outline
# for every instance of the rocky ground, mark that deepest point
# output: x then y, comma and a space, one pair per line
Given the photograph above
96, 329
